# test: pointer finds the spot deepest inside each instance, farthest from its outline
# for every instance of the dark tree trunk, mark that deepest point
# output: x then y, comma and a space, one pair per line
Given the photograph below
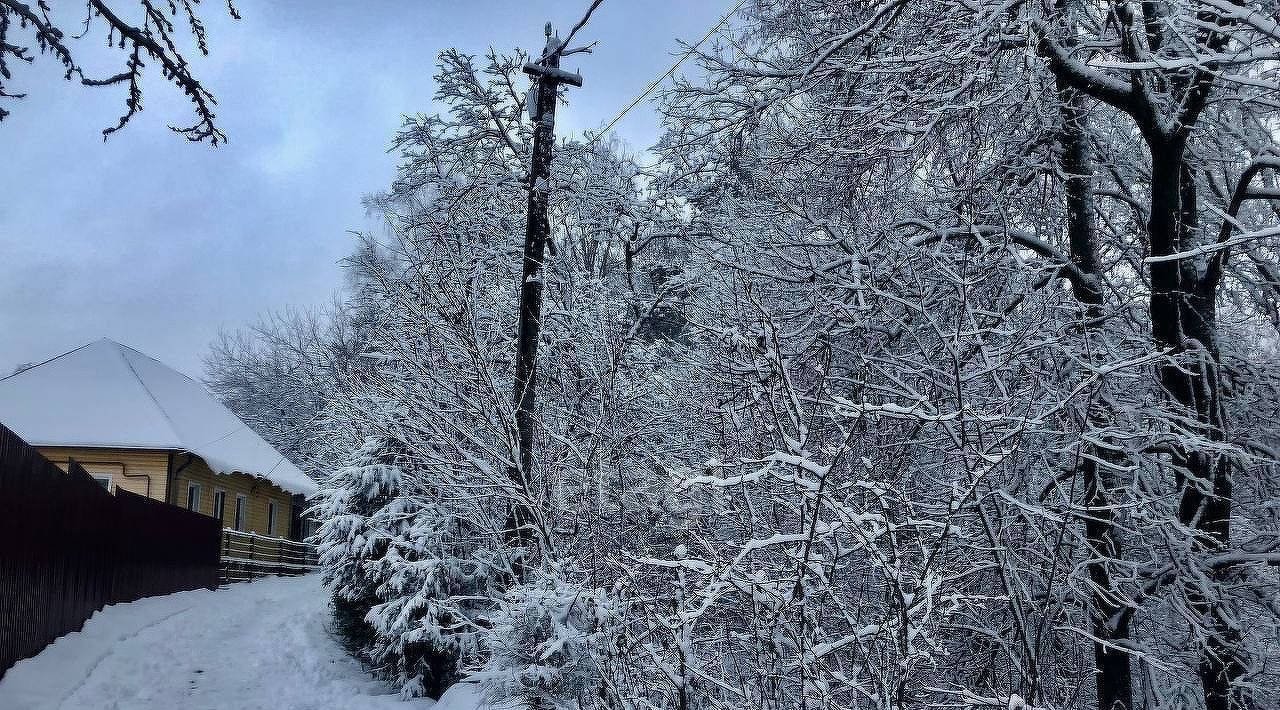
1184, 317
1113, 676
1183, 304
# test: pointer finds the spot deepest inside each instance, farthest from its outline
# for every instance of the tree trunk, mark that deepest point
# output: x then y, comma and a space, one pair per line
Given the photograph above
1184, 316
1113, 676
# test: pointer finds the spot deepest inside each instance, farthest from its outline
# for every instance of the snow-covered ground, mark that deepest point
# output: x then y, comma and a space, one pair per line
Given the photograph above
262, 644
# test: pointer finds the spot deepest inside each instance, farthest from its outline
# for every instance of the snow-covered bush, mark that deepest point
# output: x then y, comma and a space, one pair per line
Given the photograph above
546, 645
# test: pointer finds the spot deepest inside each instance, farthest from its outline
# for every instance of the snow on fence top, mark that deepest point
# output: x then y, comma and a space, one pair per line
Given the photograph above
105, 394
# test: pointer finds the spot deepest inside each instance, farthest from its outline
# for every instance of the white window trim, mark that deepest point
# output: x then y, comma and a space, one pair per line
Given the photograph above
99, 476
241, 519
271, 517
191, 485
219, 514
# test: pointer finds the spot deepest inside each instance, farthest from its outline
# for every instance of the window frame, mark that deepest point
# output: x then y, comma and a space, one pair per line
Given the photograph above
97, 478
242, 510
271, 517
193, 502
219, 504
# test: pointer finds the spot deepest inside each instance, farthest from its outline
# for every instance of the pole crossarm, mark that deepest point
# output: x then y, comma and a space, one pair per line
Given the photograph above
555, 74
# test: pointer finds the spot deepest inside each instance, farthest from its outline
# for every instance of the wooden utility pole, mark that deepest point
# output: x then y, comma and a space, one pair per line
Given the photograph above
547, 76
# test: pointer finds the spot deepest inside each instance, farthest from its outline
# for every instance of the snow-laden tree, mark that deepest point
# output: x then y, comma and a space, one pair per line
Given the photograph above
548, 645
345, 541
378, 548
437, 291
901, 188
282, 374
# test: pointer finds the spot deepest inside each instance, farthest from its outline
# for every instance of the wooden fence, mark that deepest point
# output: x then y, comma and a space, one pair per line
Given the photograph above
247, 556
68, 548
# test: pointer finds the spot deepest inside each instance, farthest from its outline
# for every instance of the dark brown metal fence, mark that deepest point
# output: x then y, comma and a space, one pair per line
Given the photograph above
68, 548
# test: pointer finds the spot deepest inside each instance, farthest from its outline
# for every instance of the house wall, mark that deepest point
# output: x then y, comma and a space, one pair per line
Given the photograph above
257, 491
130, 469
140, 471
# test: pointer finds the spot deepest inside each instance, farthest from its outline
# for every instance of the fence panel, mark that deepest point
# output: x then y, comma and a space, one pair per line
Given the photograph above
162, 548
248, 556
68, 548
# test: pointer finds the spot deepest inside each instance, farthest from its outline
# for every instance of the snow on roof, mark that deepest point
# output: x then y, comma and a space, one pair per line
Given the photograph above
105, 394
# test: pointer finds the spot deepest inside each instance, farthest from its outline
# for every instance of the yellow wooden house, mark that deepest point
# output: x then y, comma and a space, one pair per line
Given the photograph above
137, 424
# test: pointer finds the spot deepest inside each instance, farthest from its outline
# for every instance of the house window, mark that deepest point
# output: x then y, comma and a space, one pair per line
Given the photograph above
103, 479
240, 504
219, 503
271, 517
193, 496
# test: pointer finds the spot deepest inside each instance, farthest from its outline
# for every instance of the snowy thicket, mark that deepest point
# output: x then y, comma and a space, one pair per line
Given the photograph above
932, 363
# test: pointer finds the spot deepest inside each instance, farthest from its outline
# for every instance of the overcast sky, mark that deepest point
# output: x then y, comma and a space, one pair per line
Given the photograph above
158, 243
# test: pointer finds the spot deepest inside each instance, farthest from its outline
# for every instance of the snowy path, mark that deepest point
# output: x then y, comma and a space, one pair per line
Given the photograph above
260, 644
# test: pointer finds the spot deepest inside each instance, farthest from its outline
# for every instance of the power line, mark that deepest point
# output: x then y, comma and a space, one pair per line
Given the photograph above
667, 74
